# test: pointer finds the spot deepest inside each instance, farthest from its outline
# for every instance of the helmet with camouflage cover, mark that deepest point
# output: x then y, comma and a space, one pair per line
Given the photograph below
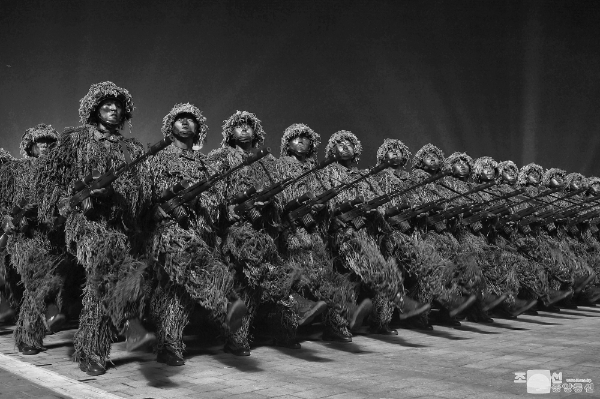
340, 136
297, 130
192, 110
33, 135
98, 92
393, 145
239, 118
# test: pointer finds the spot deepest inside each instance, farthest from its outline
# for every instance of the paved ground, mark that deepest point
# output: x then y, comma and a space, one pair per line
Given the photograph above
472, 361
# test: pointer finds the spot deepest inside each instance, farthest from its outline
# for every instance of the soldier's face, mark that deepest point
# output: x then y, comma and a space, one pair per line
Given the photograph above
488, 173
243, 133
431, 163
185, 126
533, 179
41, 147
299, 146
345, 150
595, 189
575, 184
110, 112
395, 158
556, 181
509, 175
460, 169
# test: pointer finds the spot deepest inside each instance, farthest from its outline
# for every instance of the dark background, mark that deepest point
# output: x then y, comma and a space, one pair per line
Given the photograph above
514, 80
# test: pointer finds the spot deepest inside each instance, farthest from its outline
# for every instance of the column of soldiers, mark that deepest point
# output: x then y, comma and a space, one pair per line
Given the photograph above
137, 243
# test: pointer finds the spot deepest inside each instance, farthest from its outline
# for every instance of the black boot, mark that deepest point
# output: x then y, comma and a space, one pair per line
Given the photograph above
358, 314
54, 319
490, 301
169, 357
308, 310
413, 308
521, 306
136, 336
337, 334
235, 313
236, 350
91, 367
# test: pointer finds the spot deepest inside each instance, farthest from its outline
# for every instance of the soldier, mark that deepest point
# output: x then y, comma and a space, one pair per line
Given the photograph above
34, 247
461, 277
10, 291
99, 233
305, 248
357, 251
188, 268
248, 243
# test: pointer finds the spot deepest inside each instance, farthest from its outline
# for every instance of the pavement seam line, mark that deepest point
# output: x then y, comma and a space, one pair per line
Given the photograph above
53, 381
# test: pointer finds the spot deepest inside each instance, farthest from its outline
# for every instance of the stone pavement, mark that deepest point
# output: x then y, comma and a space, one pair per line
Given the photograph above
471, 361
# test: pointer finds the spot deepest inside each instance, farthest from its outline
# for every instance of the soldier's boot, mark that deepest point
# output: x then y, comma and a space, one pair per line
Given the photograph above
522, 305
137, 337
582, 282
490, 301
357, 313
54, 319
308, 310
413, 308
235, 313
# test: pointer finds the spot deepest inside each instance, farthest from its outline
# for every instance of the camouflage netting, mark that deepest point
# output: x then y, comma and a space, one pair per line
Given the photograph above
480, 164
507, 165
528, 169
33, 134
239, 118
297, 130
393, 145
5, 156
340, 136
99, 92
190, 109
575, 177
590, 180
455, 157
418, 158
551, 174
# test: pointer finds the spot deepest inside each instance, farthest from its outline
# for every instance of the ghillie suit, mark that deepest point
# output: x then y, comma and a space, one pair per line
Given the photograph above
115, 285
577, 261
422, 265
460, 273
35, 248
497, 265
11, 292
588, 233
261, 279
187, 266
357, 251
532, 274
305, 250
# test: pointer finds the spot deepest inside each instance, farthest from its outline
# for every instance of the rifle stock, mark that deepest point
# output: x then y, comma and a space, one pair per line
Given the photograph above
82, 189
185, 193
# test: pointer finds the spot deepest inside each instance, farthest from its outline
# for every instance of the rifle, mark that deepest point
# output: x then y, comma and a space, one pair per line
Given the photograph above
525, 212
175, 197
299, 211
436, 220
82, 188
552, 215
498, 209
21, 213
245, 201
401, 220
355, 214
